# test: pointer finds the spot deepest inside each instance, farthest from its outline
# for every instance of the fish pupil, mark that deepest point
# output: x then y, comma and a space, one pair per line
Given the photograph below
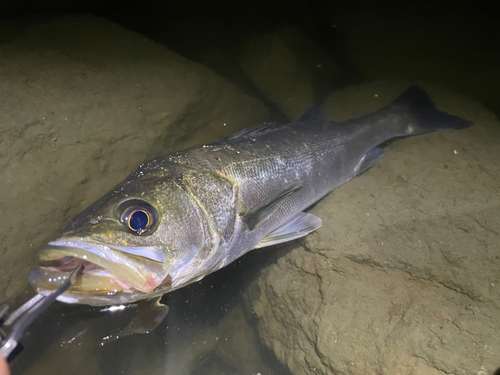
139, 217
139, 220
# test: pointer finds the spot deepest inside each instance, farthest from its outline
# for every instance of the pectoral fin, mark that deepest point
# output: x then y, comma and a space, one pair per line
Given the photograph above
301, 225
261, 211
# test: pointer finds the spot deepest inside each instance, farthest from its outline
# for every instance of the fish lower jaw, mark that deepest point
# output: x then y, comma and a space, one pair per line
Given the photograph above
110, 276
95, 279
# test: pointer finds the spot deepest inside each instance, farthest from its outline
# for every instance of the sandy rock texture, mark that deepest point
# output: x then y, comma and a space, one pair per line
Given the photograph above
402, 278
289, 69
82, 103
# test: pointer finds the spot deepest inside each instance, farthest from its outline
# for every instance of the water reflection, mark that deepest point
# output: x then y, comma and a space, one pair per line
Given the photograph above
206, 331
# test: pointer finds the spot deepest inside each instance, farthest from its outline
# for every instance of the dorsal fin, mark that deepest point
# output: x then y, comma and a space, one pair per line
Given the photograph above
251, 133
313, 113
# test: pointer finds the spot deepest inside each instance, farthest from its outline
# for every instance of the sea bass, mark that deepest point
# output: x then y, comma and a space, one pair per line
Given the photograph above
180, 217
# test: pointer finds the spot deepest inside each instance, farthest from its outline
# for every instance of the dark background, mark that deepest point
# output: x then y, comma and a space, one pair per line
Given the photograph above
449, 42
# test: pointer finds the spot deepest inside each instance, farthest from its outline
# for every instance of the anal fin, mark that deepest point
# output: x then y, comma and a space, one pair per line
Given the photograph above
369, 159
300, 226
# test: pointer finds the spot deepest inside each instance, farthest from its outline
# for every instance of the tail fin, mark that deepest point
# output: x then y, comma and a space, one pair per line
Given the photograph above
422, 115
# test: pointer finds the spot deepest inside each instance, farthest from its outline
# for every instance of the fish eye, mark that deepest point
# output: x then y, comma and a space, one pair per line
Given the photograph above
139, 218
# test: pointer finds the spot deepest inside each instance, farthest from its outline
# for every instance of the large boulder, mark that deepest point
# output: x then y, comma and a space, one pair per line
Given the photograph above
291, 70
82, 103
402, 278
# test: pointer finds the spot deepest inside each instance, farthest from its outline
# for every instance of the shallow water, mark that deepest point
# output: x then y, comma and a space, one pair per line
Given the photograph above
205, 331
208, 329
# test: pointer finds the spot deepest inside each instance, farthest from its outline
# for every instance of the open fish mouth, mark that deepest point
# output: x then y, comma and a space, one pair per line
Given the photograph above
108, 271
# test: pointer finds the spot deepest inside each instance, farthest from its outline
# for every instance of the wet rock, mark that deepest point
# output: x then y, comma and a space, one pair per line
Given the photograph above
83, 102
402, 278
290, 70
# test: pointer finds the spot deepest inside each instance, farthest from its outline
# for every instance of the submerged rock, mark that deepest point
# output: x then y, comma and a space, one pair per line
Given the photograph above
402, 278
289, 69
83, 102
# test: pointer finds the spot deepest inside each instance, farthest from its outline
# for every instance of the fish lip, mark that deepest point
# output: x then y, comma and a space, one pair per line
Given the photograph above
142, 251
142, 274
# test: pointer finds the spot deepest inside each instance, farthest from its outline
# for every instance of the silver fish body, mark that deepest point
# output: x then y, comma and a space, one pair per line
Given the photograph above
198, 210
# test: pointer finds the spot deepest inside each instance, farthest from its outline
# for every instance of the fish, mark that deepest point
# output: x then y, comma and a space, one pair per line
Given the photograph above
180, 217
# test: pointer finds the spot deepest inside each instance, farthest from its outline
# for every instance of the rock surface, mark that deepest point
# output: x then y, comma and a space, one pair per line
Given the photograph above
402, 278
289, 69
82, 103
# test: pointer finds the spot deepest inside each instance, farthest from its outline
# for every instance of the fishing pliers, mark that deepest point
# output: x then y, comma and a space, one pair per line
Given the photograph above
13, 325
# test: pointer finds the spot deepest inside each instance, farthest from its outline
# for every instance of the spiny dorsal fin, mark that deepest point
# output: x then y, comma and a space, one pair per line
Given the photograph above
262, 210
251, 133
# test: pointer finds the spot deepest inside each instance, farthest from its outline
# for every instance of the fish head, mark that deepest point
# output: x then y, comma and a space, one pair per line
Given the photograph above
134, 242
